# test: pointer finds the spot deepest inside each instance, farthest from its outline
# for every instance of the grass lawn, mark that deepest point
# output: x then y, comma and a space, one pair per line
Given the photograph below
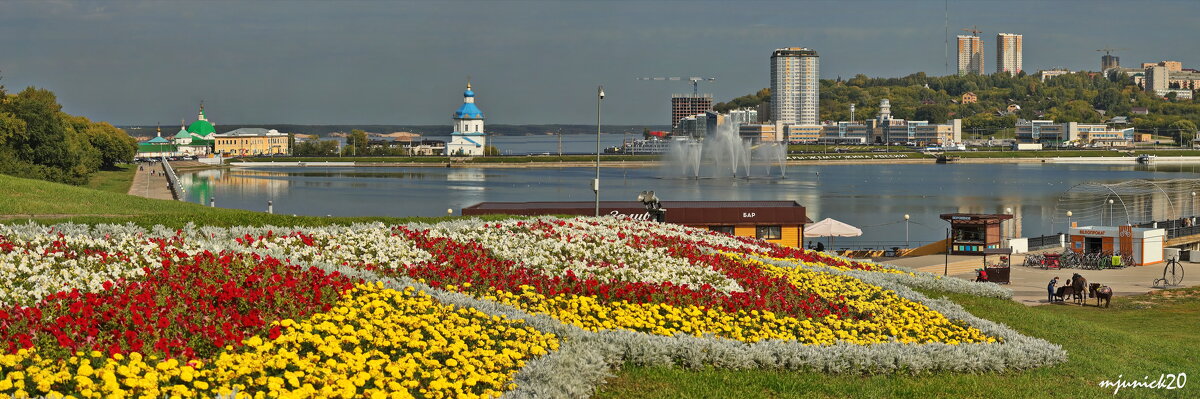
1139, 336
116, 180
55, 203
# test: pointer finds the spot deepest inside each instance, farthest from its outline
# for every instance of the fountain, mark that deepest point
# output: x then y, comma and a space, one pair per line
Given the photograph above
724, 153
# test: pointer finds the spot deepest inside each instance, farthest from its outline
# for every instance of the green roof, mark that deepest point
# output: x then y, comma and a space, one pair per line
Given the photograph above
183, 133
156, 147
158, 140
202, 128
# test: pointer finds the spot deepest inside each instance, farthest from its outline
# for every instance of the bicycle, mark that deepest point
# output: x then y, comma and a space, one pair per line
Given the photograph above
1172, 274
1034, 260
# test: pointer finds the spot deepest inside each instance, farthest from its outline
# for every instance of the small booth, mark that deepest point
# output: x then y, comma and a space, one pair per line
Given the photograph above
1145, 245
972, 233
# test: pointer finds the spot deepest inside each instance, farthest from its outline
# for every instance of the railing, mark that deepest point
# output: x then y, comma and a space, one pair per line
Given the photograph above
1182, 231
172, 180
869, 245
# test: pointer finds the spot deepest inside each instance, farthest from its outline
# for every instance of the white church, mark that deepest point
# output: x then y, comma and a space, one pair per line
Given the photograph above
468, 138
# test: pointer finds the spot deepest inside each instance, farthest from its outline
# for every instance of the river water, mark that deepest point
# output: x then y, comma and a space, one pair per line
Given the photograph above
874, 197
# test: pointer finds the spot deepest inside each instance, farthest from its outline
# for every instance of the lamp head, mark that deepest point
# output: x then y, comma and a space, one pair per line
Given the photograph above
1069, 213
601, 92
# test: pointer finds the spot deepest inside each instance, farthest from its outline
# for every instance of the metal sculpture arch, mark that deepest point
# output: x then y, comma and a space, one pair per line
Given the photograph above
1133, 202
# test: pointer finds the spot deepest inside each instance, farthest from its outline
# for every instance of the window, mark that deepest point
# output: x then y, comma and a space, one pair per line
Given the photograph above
721, 229
769, 232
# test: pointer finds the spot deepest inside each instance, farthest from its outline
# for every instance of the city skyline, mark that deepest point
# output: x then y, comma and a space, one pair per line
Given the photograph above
405, 63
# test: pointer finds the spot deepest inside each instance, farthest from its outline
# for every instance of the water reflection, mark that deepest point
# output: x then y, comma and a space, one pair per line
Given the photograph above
872, 197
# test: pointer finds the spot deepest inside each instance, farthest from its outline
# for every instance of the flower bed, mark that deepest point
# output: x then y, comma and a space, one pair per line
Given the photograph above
467, 308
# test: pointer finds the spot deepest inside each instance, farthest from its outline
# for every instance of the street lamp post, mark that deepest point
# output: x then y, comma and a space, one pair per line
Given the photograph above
1002, 237
906, 242
1111, 217
596, 183
1069, 222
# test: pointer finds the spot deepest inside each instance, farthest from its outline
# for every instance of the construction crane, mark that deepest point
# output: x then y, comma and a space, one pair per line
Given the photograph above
695, 82
1108, 50
974, 30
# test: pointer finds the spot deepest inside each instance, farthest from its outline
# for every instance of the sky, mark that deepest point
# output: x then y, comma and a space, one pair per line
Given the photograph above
536, 62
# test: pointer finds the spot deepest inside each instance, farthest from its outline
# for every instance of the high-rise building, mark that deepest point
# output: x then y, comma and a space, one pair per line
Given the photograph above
1109, 61
1008, 53
970, 55
795, 86
1157, 79
685, 105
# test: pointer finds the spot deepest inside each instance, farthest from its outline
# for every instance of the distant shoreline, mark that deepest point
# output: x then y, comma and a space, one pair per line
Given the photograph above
643, 163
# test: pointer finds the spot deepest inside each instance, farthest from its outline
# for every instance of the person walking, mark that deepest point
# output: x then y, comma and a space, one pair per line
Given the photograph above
1050, 288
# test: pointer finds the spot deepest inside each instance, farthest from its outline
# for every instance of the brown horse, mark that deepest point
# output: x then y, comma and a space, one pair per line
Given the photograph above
1079, 285
1100, 292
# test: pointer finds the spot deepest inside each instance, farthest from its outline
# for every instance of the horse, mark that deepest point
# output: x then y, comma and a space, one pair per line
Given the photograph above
1063, 292
1079, 284
1100, 292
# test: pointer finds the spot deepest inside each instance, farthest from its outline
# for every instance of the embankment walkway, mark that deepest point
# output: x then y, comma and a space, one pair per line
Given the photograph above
150, 185
1028, 284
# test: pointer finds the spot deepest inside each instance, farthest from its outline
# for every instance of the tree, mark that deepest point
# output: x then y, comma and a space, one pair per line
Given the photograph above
1185, 129
934, 113
358, 141
291, 143
490, 150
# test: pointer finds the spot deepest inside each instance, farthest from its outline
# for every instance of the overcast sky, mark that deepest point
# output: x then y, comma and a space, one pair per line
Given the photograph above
529, 62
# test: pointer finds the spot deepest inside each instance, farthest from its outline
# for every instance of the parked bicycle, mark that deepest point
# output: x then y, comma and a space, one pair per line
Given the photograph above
1172, 274
1094, 260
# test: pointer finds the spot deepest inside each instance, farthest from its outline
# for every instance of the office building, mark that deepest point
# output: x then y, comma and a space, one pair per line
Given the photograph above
250, 141
1008, 53
743, 116
1048, 132
886, 129
970, 55
685, 105
795, 86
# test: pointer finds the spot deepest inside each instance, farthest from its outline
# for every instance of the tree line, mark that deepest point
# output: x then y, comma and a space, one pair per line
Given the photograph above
1073, 97
40, 141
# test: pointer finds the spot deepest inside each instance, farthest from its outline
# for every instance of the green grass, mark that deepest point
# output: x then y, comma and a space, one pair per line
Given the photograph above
115, 180
56, 203
1139, 336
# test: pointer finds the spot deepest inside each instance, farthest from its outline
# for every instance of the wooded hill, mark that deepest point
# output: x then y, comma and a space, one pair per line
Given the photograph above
1075, 97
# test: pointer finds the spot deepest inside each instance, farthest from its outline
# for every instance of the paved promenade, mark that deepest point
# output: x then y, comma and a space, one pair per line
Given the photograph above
151, 186
1029, 284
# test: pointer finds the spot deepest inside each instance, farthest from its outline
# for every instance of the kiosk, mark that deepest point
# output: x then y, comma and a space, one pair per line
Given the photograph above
972, 233
1145, 245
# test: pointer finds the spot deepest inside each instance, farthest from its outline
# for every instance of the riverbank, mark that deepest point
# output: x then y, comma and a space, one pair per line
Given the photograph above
643, 161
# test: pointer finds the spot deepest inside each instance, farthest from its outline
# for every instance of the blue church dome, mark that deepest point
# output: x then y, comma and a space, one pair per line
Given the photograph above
468, 93
468, 111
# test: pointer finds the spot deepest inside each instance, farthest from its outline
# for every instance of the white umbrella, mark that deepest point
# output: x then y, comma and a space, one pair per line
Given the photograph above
831, 228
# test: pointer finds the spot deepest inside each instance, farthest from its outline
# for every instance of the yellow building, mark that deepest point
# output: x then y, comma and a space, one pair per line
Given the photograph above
251, 141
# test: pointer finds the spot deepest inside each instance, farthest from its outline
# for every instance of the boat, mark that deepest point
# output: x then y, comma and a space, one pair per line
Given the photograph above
943, 158
1145, 158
